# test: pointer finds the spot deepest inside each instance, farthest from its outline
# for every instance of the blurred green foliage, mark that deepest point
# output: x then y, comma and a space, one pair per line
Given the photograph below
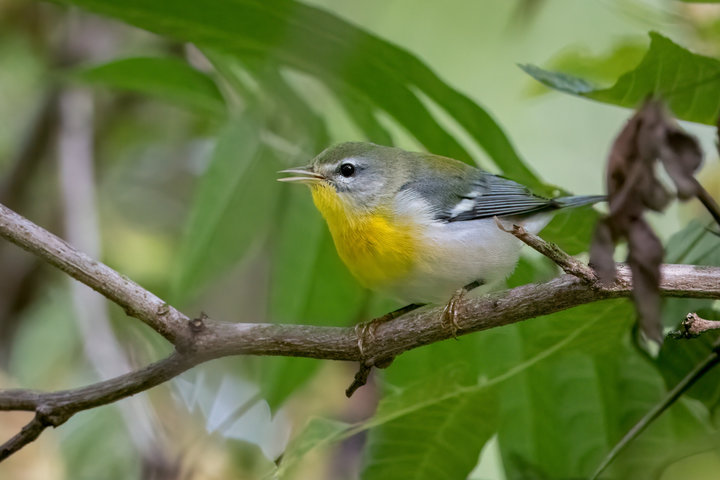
169, 79
191, 209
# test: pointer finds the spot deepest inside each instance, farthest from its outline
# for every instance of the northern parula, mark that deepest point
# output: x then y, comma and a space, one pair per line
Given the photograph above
418, 226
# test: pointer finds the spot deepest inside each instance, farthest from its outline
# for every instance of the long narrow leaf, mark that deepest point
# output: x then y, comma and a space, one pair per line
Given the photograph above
169, 79
333, 50
234, 206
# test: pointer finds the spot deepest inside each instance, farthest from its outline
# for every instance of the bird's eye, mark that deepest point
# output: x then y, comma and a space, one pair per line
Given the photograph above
347, 169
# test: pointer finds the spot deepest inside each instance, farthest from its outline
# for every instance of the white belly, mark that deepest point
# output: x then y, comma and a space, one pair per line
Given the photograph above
459, 253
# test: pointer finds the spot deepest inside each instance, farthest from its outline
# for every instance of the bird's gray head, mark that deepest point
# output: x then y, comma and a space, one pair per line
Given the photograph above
361, 173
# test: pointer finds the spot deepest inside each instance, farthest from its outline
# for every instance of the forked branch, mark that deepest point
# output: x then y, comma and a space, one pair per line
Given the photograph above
200, 340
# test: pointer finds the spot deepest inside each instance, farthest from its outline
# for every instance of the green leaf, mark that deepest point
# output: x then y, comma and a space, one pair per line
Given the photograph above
539, 352
573, 387
695, 244
605, 68
559, 81
491, 355
338, 53
560, 417
234, 206
168, 79
440, 440
686, 81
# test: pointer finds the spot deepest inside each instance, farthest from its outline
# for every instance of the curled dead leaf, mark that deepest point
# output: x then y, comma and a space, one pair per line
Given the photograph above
633, 187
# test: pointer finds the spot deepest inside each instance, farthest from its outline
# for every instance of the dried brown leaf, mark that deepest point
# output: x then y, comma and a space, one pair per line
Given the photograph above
633, 187
681, 159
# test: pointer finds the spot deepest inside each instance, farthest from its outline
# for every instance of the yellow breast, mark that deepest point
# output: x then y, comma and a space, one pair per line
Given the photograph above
376, 247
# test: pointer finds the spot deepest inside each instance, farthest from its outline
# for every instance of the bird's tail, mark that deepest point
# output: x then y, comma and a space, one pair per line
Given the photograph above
577, 201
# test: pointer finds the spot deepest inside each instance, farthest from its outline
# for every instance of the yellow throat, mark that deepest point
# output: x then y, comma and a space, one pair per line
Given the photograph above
376, 248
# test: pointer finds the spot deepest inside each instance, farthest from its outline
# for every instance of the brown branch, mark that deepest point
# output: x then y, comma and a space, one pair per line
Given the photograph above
203, 339
60, 405
28, 434
55, 408
216, 339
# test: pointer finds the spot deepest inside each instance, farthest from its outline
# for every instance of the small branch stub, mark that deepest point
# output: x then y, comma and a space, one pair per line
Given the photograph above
197, 325
360, 379
694, 325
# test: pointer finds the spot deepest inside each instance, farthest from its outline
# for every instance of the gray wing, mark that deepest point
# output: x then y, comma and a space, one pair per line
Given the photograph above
460, 192
489, 196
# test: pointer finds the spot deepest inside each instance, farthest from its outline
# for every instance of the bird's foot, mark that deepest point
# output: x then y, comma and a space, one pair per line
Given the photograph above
451, 312
366, 331
449, 317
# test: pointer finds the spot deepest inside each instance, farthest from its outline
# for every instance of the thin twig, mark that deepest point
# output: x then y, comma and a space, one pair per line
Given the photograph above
709, 202
688, 381
568, 263
55, 408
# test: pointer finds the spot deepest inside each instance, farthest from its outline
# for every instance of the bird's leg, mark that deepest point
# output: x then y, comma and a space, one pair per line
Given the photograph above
451, 311
366, 330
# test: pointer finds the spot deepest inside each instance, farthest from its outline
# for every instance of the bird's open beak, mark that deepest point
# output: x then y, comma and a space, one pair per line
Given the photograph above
302, 175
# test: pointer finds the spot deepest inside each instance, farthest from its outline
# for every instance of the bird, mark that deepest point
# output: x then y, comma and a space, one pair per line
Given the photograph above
420, 227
